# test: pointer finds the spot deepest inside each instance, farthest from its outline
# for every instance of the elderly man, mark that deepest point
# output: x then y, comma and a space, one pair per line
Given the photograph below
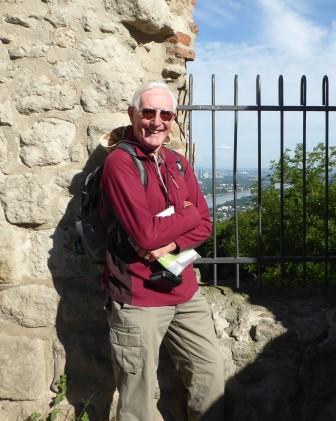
143, 313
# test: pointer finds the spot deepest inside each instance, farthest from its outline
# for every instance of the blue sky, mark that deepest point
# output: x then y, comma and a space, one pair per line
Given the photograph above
269, 38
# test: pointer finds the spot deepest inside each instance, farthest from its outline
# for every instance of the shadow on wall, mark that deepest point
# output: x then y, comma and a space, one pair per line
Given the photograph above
81, 325
287, 368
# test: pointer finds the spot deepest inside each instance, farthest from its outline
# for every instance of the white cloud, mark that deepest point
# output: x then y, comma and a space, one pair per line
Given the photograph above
216, 14
293, 46
289, 31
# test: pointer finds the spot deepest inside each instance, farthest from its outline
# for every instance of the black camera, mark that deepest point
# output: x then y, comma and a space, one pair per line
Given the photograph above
164, 279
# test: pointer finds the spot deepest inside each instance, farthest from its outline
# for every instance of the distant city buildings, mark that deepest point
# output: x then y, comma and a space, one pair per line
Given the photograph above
245, 181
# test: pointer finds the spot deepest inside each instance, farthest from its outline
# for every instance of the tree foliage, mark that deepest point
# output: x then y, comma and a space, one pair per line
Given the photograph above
268, 242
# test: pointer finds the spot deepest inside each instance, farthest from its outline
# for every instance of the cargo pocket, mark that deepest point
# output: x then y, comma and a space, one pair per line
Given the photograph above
127, 348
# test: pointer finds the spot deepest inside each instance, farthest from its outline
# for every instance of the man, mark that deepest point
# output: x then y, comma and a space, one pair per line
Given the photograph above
142, 313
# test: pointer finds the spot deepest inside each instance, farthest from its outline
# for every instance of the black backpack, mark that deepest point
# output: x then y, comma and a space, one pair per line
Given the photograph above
93, 230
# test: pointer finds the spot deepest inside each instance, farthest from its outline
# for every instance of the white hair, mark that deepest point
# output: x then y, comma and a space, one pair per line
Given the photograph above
147, 87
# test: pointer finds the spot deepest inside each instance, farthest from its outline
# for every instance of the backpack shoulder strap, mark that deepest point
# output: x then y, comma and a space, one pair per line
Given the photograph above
129, 147
179, 164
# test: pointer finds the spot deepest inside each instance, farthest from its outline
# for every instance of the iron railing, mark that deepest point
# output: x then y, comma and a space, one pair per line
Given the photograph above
281, 108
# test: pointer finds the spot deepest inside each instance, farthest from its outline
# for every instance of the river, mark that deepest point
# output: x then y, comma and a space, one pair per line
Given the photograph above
221, 198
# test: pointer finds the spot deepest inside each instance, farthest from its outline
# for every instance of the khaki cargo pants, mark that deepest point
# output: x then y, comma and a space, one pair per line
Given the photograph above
188, 334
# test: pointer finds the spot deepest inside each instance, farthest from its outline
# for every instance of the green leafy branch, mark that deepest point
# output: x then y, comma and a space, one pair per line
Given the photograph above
55, 409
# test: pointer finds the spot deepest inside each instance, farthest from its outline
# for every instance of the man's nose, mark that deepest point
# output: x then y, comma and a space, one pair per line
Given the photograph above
157, 118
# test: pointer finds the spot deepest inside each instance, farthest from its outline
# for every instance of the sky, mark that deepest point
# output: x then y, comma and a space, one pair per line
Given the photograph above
267, 38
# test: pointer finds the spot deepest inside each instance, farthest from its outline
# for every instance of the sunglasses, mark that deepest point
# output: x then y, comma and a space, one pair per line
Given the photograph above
150, 113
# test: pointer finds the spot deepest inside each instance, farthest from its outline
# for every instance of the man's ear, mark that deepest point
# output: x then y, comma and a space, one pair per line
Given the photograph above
130, 111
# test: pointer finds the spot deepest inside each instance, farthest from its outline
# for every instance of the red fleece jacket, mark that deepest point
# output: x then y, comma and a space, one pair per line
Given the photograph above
126, 274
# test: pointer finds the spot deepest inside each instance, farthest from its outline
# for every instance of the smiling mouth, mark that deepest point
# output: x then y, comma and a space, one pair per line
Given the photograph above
150, 132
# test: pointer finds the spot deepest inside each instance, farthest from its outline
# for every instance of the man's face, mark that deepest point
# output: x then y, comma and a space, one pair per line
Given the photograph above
151, 124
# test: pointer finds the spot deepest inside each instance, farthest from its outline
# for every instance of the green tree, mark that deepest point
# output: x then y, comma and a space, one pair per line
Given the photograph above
294, 233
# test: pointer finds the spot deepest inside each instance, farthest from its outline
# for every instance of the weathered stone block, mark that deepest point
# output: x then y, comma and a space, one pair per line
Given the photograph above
24, 255
149, 16
28, 199
7, 113
47, 142
33, 50
106, 93
109, 27
19, 411
64, 38
24, 371
41, 94
29, 305
69, 70
94, 50
220, 322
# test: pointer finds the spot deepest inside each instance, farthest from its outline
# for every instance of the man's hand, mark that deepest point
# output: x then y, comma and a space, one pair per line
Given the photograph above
151, 255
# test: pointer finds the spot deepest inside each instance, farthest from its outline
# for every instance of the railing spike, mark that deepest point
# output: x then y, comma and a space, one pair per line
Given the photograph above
258, 90
325, 91
303, 91
281, 91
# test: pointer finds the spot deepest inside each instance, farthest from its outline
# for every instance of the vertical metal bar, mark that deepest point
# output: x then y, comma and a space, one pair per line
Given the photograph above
190, 142
304, 175
325, 101
235, 156
258, 101
281, 103
214, 201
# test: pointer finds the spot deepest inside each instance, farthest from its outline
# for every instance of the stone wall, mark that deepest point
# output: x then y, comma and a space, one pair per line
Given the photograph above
68, 69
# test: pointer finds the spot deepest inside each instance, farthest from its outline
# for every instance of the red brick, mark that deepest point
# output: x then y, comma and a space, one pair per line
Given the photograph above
180, 52
180, 38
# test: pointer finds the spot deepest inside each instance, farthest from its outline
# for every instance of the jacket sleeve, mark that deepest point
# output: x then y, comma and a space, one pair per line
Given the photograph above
125, 195
202, 231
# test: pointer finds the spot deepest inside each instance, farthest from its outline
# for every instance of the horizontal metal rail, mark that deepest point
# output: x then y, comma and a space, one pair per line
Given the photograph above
322, 108
265, 259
